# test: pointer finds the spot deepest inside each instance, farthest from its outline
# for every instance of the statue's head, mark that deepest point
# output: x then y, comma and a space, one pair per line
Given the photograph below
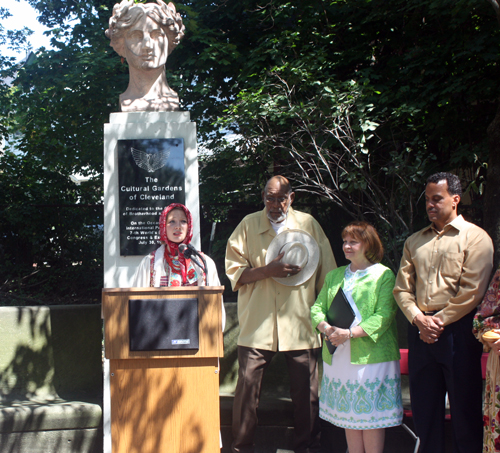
145, 33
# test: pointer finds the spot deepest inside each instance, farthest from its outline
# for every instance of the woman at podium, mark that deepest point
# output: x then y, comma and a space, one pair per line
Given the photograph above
175, 264
167, 265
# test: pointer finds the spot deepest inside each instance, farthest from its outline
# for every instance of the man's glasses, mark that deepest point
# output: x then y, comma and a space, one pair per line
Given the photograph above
271, 200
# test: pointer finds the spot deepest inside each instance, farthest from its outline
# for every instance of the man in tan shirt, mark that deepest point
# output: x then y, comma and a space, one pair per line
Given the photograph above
275, 317
443, 275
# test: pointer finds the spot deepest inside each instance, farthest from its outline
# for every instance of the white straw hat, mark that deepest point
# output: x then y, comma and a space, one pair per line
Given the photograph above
301, 249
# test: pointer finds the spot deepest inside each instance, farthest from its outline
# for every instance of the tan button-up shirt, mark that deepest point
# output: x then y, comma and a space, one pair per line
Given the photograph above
445, 271
274, 316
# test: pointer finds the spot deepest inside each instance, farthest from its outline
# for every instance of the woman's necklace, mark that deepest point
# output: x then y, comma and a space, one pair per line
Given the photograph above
173, 263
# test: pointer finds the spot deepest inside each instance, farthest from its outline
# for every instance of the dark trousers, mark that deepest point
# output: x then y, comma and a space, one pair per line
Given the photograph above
453, 365
303, 370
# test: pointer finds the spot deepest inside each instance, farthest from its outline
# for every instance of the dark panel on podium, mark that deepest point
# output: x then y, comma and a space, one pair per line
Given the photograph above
163, 324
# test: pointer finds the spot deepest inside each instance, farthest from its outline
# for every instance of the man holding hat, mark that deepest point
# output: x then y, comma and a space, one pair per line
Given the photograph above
277, 260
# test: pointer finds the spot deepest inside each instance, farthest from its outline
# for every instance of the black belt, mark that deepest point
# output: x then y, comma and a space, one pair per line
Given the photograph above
431, 313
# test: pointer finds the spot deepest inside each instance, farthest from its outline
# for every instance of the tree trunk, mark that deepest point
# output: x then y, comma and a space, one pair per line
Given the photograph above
492, 192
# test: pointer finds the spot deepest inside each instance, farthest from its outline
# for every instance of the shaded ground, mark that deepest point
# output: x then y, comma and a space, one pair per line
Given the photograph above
11, 299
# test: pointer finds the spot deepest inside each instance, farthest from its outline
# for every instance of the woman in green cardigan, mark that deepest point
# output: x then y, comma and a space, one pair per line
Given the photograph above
361, 386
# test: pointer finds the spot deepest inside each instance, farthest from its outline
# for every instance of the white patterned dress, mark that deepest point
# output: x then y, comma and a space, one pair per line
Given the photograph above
360, 396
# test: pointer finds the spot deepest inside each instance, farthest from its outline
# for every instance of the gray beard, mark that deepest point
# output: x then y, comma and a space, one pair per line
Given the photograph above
280, 219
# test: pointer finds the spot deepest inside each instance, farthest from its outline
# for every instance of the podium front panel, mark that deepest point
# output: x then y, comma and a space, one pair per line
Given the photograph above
165, 405
115, 304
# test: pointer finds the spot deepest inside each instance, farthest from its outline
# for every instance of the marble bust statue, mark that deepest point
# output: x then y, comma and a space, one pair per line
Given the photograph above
145, 34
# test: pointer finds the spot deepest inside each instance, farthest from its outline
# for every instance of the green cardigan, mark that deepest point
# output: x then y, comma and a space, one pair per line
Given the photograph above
372, 294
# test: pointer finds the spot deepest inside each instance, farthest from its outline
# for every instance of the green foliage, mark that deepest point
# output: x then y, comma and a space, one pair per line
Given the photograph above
357, 101
53, 114
324, 137
50, 240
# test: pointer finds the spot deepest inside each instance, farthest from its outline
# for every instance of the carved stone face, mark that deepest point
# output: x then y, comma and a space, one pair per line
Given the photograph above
146, 45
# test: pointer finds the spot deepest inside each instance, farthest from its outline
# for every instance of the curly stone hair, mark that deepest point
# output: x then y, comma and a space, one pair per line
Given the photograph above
127, 13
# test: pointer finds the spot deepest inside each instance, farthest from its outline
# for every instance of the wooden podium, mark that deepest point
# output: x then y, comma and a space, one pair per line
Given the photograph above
164, 400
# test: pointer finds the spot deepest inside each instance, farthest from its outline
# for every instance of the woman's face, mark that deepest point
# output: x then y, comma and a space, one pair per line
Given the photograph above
354, 250
177, 226
146, 44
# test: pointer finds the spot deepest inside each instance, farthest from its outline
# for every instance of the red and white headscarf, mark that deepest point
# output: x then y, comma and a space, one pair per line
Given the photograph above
172, 248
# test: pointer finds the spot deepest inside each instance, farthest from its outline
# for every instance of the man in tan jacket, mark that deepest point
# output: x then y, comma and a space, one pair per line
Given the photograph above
275, 317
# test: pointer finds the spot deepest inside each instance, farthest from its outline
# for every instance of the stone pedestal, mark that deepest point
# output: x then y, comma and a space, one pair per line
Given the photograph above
119, 270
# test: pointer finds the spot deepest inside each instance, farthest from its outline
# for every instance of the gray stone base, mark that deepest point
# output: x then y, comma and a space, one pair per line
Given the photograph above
56, 415
58, 441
